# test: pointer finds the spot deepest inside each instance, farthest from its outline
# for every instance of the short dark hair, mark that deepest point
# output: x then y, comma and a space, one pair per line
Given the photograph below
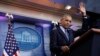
65, 15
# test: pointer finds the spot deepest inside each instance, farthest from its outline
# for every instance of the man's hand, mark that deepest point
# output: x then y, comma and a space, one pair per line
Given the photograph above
65, 48
76, 38
82, 8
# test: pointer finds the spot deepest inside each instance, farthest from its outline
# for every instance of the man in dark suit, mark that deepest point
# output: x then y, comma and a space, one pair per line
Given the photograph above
62, 36
59, 41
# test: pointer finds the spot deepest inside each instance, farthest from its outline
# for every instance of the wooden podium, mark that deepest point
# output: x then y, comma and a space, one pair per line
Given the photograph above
87, 45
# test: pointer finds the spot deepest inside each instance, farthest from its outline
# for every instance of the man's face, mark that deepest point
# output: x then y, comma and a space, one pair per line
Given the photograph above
66, 22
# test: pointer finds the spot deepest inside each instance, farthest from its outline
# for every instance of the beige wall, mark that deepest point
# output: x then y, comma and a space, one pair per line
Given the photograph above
28, 13
48, 3
33, 14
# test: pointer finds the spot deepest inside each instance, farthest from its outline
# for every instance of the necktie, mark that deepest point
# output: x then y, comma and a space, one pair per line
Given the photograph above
67, 34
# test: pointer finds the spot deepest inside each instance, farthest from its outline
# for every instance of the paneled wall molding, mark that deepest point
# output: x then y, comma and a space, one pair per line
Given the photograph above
28, 13
41, 8
34, 10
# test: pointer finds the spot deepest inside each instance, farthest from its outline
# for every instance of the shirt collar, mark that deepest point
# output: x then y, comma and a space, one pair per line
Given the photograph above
62, 28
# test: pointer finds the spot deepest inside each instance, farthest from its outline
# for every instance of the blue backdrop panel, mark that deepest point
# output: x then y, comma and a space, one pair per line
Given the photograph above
29, 38
3, 33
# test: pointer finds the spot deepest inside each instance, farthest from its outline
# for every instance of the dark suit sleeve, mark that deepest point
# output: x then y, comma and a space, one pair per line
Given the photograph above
86, 25
53, 42
77, 33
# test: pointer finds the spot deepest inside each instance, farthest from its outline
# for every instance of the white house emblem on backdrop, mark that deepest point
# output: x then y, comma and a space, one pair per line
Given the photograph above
27, 38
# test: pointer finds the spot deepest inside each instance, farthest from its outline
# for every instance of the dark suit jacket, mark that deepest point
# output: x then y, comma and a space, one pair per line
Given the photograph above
58, 39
